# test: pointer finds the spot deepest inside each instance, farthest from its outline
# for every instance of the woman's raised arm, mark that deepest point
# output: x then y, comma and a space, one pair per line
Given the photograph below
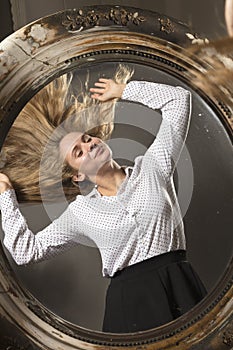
175, 105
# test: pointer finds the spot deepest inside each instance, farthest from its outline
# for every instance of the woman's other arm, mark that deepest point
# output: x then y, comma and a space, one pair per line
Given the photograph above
25, 246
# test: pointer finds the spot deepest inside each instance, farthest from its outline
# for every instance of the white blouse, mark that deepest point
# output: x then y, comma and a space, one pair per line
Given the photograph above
143, 219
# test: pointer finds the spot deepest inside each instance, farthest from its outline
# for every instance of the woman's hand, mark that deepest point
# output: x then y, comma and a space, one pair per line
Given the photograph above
229, 16
107, 89
5, 183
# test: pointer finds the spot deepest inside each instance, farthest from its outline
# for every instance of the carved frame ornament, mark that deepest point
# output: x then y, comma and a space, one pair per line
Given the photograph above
29, 59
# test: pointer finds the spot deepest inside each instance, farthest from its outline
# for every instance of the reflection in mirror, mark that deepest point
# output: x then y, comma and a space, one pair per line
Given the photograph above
132, 217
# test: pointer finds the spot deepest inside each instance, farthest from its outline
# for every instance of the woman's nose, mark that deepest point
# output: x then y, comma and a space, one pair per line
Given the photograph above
86, 147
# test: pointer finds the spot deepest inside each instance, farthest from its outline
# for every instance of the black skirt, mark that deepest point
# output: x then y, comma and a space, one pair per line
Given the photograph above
151, 293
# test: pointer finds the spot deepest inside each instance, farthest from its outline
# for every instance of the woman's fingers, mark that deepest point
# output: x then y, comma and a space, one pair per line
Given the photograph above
98, 90
229, 16
105, 89
96, 96
4, 186
4, 178
103, 85
104, 80
4, 183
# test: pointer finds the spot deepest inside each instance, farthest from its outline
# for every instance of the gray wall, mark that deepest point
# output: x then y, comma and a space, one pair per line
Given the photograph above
205, 16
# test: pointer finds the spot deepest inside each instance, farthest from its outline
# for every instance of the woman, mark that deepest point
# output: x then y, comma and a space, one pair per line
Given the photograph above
132, 213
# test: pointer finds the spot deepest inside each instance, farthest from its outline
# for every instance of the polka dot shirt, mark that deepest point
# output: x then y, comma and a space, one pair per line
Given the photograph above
143, 219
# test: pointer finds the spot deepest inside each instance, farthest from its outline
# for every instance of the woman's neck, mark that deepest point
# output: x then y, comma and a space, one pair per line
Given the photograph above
109, 179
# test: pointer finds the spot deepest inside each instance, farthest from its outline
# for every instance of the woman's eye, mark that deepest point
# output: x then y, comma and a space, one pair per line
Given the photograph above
87, 138
79, 154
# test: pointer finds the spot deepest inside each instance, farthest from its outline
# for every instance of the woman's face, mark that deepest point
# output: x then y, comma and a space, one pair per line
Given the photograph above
85, 153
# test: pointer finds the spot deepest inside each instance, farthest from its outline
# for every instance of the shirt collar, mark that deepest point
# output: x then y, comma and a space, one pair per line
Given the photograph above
95, 193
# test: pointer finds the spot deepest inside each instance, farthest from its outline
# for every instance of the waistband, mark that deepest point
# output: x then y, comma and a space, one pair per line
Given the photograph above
153, 263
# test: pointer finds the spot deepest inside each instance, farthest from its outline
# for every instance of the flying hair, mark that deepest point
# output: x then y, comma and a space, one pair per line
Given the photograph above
30, 154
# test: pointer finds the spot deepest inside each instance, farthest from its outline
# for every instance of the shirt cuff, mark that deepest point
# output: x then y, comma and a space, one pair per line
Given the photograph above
8, 199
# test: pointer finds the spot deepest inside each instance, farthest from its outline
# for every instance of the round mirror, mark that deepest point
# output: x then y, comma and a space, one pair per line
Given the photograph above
64, 297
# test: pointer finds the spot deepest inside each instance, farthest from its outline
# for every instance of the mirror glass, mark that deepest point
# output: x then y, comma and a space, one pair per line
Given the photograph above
71, 285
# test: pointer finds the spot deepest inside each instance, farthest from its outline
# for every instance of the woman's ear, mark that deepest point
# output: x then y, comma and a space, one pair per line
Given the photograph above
78, 177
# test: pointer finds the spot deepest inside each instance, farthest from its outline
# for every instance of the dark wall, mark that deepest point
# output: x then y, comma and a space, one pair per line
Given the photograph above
6, 24
206, 17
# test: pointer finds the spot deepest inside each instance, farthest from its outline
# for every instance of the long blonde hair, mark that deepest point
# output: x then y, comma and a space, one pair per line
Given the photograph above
33, 141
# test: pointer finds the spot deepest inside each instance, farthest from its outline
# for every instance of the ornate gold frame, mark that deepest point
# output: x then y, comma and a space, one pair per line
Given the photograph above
33, 56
